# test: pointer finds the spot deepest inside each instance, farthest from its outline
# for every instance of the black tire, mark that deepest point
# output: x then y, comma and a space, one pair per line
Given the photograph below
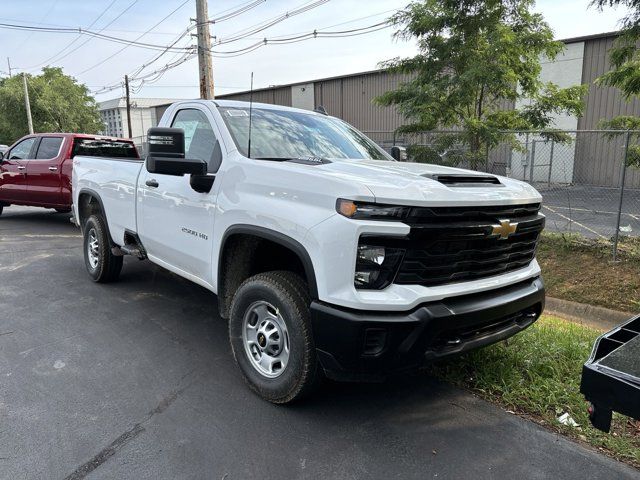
104, 266
288, 293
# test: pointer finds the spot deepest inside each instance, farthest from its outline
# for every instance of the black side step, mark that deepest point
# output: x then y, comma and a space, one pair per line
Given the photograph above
132, 246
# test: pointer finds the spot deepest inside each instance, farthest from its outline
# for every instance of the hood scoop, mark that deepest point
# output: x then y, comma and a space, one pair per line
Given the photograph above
463, 180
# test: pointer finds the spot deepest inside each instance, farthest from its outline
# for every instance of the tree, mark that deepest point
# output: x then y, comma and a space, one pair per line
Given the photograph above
624, 59
475, 57
58, 104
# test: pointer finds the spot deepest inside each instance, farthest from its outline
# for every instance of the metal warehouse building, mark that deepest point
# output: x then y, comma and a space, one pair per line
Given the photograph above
591, 159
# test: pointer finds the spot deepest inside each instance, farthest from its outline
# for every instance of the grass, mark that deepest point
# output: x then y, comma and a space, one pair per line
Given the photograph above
581, 270
536, 374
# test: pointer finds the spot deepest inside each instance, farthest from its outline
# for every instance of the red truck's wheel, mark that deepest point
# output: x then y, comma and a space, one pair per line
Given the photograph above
102, 265
270, 334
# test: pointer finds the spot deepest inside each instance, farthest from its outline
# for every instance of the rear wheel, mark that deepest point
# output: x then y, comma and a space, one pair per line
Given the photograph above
270, 333
102, 265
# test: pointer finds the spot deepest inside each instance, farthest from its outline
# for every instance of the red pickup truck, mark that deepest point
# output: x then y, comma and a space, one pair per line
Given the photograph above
36, 170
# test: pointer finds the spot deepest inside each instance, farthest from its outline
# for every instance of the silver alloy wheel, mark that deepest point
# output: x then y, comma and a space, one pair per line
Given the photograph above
266, 339
93, 248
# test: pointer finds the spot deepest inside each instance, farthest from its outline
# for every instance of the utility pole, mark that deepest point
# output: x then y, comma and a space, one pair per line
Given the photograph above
9, 65
27, 105
205, 66
126, 87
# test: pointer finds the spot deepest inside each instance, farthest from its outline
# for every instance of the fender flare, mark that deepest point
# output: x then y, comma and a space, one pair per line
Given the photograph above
95, 195
278, 238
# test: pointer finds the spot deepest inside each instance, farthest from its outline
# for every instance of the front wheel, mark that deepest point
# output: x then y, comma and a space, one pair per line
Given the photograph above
102, 265
270, 333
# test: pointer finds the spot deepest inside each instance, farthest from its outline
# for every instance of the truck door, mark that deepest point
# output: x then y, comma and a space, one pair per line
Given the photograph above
43, 175
175, 223
13, 171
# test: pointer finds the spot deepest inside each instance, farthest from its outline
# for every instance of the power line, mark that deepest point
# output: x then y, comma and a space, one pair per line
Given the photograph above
305, 36
21, 46
156, 75
224, 15
75, 39
137, 38
239, 11
259, 27
83, 31
220, 16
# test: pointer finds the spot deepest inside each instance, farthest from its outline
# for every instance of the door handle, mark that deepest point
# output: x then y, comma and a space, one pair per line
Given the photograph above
152, 183
53, 169
20, 167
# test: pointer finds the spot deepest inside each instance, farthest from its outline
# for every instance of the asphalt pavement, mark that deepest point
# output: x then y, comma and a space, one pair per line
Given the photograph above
590, 211
135, 380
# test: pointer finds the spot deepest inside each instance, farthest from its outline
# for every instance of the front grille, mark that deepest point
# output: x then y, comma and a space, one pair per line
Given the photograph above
456, 244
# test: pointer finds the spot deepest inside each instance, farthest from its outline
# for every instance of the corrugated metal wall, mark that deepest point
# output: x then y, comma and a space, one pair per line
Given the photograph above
351, 98
599, 160
275, 96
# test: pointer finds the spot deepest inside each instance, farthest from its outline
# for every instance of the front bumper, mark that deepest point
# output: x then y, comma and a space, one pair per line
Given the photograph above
368, 345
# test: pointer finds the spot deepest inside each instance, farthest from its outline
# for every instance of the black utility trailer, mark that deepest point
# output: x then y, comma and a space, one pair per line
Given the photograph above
611, 377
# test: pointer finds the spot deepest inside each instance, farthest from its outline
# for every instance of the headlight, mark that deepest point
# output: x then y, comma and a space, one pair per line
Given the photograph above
376, 266
370, 211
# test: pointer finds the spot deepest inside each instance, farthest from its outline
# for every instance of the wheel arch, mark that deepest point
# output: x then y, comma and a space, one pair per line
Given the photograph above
90, 203
227, 284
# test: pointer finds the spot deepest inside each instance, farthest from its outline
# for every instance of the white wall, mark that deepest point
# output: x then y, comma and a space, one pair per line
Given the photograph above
565, 71
302, 96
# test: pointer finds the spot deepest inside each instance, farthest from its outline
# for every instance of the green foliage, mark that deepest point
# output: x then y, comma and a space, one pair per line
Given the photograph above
477, 58
58, 104
629, 123
624, 56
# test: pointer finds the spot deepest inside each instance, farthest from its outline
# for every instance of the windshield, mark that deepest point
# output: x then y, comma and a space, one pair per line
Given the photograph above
284, 134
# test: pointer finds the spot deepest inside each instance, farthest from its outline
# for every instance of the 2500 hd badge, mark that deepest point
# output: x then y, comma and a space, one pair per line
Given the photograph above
194, 233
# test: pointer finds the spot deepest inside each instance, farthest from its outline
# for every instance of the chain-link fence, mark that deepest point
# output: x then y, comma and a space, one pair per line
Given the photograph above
141, 144
588, 180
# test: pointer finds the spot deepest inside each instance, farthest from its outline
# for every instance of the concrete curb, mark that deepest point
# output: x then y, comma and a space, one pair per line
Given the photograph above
597, 317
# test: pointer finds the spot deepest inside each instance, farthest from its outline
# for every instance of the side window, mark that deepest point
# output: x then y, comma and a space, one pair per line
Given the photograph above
49, 148
199, 139
22, 150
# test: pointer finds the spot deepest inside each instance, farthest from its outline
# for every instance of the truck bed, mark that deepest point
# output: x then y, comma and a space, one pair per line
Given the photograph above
115, 179
611, 377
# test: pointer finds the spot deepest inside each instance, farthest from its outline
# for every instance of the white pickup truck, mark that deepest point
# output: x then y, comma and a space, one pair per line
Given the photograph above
328, 257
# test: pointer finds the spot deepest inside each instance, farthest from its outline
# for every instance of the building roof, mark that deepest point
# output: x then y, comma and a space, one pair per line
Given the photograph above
595, 36
135, 103
378, 71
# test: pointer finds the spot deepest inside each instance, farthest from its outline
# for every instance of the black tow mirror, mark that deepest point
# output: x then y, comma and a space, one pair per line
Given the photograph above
176, 166
166, 142
166, 154
399, 153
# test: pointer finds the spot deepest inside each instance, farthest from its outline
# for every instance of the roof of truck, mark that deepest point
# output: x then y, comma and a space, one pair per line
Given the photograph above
265, 106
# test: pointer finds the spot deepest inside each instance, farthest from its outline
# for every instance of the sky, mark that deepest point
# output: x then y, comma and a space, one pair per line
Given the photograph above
99, 63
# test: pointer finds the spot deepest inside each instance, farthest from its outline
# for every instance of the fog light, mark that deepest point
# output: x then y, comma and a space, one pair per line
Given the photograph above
375, 265
371, 254
364, 279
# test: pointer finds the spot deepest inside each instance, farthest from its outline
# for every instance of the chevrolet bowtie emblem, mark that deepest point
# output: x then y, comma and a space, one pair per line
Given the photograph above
504, 230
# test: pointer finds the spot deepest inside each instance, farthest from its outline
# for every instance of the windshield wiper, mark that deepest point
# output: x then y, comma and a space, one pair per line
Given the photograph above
303, 160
